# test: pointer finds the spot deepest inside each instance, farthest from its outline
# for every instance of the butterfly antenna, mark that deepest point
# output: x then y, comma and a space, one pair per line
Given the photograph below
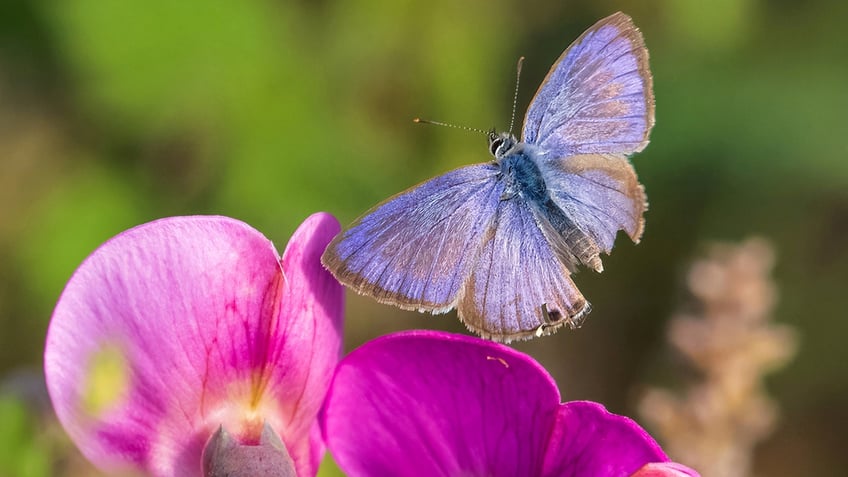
439, 123
515, 96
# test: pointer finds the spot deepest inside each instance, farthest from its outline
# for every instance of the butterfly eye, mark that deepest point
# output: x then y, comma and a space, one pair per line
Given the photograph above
495, 143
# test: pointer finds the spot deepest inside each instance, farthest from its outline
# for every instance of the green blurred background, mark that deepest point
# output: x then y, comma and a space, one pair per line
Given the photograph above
117, 113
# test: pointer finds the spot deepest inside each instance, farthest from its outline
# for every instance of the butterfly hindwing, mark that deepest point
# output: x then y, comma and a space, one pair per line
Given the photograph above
598, 96
599, 192
518, 287
416, 249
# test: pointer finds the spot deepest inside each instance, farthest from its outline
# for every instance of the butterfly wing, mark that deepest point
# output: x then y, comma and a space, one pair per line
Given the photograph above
600, 194
415, 250
598, 97
518, 287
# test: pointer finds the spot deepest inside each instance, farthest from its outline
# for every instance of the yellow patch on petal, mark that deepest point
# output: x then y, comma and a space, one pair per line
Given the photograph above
107, 381
244, 410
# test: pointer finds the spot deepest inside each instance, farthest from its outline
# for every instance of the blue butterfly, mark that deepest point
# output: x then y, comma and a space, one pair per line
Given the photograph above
499, 240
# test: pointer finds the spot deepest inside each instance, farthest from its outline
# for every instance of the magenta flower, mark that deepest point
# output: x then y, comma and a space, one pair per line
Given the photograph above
192, 327
438, 404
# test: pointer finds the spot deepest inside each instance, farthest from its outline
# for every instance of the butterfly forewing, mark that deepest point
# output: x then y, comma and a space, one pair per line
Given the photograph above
416, 249
598, 96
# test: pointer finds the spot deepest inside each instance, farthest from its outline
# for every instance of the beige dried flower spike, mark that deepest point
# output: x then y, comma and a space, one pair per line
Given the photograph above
731, 342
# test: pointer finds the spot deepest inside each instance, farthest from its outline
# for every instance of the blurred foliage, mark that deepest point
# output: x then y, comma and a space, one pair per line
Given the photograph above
116, 113
20, 454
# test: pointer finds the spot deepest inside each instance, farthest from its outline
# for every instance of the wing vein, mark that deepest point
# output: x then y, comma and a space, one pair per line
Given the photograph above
584, 104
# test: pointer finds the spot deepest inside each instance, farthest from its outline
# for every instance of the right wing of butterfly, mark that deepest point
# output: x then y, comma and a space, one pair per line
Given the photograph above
600, 193
598, 97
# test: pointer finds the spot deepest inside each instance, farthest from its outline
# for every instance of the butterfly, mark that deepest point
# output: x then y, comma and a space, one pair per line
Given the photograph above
498, 241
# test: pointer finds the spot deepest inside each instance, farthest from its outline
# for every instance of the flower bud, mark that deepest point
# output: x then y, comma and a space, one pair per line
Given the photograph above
224, 456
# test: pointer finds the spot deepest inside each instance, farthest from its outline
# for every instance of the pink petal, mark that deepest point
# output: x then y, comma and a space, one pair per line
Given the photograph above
589, 441
433, 403
198, 328
665, 469
307, 343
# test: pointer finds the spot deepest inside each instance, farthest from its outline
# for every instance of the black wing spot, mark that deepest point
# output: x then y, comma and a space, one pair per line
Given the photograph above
551, 316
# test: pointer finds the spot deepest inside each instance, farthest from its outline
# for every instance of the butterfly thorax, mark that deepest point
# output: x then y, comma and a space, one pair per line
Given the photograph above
521, 176
519, 173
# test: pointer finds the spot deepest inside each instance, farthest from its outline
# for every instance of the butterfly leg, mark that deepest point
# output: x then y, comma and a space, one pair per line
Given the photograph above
508, 194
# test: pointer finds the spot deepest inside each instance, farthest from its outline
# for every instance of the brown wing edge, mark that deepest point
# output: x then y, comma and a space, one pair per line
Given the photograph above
356, 282
547, 328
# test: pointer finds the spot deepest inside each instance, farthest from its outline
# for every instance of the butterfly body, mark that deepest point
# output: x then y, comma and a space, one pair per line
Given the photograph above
498, 241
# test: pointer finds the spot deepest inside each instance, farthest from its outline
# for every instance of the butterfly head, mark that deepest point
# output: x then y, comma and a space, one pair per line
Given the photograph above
501, 144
